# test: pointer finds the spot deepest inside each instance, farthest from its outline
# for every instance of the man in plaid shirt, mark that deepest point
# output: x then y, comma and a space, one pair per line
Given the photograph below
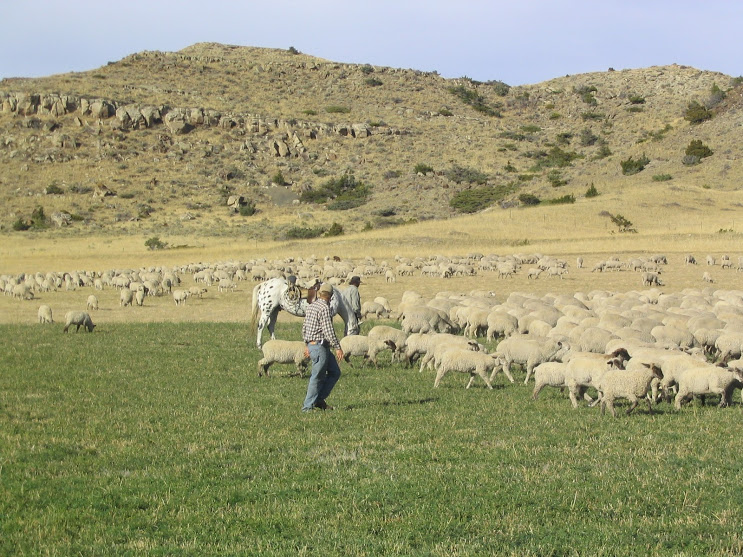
319, 335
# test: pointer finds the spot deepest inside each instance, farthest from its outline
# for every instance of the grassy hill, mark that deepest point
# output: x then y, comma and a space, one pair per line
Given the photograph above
429, 139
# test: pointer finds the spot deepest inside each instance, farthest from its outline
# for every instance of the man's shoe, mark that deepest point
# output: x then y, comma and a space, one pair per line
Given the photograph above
322, 405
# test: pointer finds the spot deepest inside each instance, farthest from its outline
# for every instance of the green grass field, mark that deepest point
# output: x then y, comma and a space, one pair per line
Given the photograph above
161, 439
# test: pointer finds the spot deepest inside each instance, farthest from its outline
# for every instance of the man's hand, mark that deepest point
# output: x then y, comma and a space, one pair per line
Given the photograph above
306, 351
339, 354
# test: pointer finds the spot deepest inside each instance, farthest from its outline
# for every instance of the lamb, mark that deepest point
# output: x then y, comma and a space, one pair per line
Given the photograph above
197, 291
283, 352
92, 302
467, 361
530, 351
80, 319
398, 337
45, 314
632, 384
708, 379
550, 374
360, 345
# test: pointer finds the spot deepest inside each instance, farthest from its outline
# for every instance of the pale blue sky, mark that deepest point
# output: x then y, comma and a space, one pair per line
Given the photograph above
519, 41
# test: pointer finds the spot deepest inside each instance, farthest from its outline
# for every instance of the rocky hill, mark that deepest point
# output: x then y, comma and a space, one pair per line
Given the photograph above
219, 139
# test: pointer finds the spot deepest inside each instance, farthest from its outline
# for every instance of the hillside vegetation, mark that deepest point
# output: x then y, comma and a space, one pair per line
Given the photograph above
159, 142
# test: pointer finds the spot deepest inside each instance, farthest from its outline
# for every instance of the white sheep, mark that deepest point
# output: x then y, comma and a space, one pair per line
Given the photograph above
529, 351
80, 319
632, 383
426, 320
368, 347
180, 296
92, 302
585, 369
386, 332
708, 379
501, 324
283, 352
373, 308
548, 374
443, 342
45, 314
139, 296
467, 361
126, 297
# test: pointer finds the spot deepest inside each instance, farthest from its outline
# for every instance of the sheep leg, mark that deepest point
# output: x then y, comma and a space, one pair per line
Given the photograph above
634, 404
439, 375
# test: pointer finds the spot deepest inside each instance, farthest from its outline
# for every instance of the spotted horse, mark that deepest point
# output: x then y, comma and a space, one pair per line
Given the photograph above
275, 294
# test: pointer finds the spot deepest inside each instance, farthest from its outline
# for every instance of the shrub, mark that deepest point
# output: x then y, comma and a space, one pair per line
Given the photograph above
366, 69
248, 209
593, 115
38, 218
696, 113
633, 166
564, 138
555, 116
421, 168
445, 112
303, 233
334, 230
592, 191
555, 179
698, 149
310, 112
392, 174
373, 82
636, 99
154, 243
586, 94
336, 109
603, 152
53, 189
474, 99
499, 88
21, 224
662, 177
476, 199
635, 109
279, 179
345, 192
587, 137
565, 199
529, 199
531, 128
555, 158
623, 224
461, 174
716, 96
293, 50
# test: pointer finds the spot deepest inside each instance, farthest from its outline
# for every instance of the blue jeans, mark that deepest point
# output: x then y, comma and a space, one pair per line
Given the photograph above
324, 376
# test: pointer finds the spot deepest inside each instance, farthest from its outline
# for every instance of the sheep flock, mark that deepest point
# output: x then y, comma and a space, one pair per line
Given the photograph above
642, 345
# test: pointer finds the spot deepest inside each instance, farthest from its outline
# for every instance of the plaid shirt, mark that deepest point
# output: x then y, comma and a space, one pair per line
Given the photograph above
318, 324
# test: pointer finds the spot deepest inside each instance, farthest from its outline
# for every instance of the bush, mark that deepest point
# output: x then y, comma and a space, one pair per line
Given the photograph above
388, 175
588, 138
334, 230
476, 199
698, 149
662, 177
154, 243
445, 112
248, 209
279, 179
623, 224
592, 191
555, 179
303, 233
366, 69
555, 158
38, 218
499, 88
636, 99
593, 115
565, 199
474, 99
21, 224
344, 192
633, 166
529, 199
336, 109
293, 50
421, 168
696, 113
373, 82
53, 189
461, 174
531, 128
716, 96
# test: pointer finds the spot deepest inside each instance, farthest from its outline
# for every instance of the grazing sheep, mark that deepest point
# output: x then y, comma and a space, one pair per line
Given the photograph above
690, 259
533, 273
92, 302
126, 297
283, 352
139, 296
549, 374
426, 320
710, 260
398, 337
180, 296
501, 324
373, 308
651, 279
80, 319
45, 314
632, 384
708, 379
706, 277
197, 291
360, 345
673, 367
22, 292
467, 361
530, 351
442, 342
585, 369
